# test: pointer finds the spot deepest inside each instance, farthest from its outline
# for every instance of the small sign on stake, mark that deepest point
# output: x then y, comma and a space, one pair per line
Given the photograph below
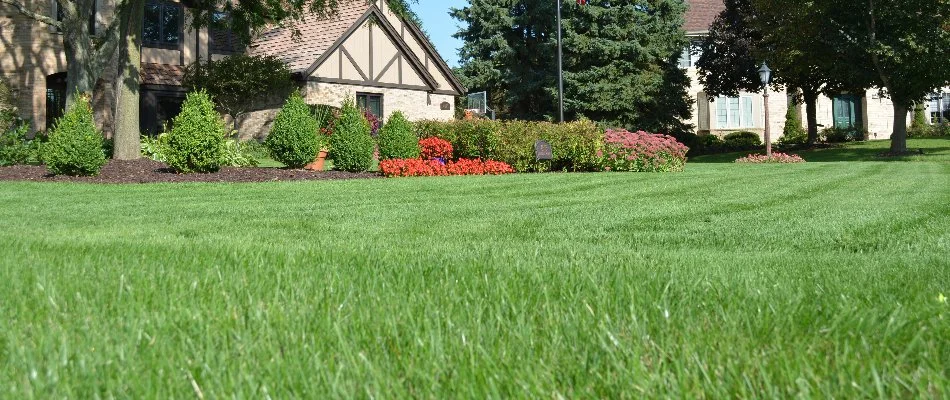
542, 151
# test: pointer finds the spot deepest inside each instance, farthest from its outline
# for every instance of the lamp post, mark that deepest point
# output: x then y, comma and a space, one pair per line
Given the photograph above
765, 74
560, 66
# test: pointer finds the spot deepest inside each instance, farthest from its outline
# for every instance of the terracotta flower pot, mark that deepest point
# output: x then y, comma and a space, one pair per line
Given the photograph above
317, 165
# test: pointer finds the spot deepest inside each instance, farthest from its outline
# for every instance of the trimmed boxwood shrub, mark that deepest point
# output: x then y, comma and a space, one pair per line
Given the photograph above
75, 145
351, 146
742, 141
196, 143
15, 147
396, 138
841, 135
293, 139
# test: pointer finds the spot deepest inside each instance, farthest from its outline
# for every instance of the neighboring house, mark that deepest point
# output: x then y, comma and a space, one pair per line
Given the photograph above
366, 53
868, 111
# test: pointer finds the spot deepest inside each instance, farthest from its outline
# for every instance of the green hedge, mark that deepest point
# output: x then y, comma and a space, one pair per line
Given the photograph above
351, 146
574, 145
294, 138
742, 141
196, 142
396, 138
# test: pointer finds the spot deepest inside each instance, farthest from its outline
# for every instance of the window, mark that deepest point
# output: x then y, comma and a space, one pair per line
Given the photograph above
734, 112
162, 25
689, 56
222, 39
371, 102
55, 98
939, 108
92, 16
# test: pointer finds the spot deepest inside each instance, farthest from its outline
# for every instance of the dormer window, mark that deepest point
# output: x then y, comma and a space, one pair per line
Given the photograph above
162, 25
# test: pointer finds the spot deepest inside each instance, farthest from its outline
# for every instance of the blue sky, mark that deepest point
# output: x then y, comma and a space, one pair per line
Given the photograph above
440, 26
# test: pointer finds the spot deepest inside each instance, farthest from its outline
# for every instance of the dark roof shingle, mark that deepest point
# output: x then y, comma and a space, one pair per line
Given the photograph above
316, 37
161, 74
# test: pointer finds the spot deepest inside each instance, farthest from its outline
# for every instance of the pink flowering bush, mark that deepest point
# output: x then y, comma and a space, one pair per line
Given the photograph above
777, 158
641, 152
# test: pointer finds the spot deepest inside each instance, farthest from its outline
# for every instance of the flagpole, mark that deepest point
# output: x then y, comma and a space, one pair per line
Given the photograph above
560, 65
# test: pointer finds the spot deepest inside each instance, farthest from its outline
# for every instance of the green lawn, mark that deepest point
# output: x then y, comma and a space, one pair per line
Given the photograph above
817, 280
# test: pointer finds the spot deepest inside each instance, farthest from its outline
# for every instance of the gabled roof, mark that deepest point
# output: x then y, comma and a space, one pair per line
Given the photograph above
316, 37
701, 14
319, 38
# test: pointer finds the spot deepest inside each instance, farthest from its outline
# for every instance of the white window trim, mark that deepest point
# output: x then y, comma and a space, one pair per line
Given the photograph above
729, 116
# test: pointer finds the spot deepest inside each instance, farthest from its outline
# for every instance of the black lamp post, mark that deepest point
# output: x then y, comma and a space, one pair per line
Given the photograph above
765, 74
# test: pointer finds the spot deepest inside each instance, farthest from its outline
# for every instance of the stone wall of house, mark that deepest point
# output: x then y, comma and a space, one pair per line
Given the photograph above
878, 112
415, 104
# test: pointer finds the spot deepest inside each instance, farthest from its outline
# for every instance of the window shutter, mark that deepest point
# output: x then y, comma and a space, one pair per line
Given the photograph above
703, 114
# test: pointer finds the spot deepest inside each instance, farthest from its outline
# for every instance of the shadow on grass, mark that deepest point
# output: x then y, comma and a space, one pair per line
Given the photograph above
937, 149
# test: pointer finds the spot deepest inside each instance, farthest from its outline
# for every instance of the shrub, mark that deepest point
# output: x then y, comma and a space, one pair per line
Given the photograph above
239, 154
841, 135
293, 138
75, 145
432, 167
152, 147
742, 141
435, 148
777, 158
373, 121
642, 152
396, 139
240, 82
574, 145
15, 147
919, 125
351, 145
196, 142
794, 132
710, 144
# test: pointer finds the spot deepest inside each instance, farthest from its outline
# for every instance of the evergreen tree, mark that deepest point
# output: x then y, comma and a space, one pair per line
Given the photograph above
619, 60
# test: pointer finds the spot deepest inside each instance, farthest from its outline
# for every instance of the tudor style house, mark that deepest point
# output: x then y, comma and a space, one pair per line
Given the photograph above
366, 53
868, 111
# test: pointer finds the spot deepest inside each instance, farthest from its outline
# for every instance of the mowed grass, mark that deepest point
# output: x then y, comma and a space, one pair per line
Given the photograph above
818, 280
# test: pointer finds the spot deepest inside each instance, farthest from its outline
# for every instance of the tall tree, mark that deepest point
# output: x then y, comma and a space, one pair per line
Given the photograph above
86, 57
617, 59
900, 46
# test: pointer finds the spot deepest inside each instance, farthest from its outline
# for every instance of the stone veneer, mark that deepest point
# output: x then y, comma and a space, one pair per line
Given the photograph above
415, 104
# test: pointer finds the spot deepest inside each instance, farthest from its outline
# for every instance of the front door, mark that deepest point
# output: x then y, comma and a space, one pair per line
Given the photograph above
846, 109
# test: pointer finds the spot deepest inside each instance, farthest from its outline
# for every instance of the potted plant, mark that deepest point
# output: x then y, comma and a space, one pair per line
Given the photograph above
325, 116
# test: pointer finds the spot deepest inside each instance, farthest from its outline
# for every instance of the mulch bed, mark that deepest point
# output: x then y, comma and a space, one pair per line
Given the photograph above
148, 171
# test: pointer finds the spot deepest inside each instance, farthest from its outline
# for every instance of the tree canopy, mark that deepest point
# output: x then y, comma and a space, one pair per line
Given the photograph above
619, 60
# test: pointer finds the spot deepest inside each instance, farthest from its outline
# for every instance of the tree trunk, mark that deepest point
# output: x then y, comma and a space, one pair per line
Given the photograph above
79, 66
126, 138
899, 136
811, 112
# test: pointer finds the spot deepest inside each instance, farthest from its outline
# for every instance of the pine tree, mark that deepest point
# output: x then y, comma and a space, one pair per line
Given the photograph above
619, 60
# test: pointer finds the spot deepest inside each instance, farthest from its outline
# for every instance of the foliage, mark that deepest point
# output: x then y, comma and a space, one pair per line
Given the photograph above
397, 139
742, 140
240, 154
152, 147
435, 148
777, 158
433, 167
931, 131
351, 145
7, 103
196, 142
294, 139
373, 122
919, 125
239, 82
642, 152
15, 147
326, 117
619, 60
75, 144
793, 133
727, 63
841, 135
573, 144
